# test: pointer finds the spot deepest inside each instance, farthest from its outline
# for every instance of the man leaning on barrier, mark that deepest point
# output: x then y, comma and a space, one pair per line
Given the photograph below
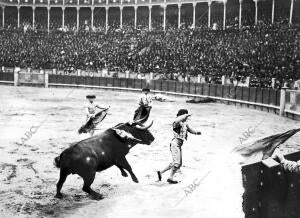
291, 166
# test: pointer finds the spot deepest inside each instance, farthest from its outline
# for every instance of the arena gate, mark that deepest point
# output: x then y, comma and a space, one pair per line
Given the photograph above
292, 101
32, 78
271, 192
25, 77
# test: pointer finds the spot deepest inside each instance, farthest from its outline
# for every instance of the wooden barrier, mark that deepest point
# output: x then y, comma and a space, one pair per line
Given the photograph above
271, 192
6, 78
259, 98
242, 95
291, 106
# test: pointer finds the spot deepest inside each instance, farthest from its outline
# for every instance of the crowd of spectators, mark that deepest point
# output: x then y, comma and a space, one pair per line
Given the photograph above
262, 52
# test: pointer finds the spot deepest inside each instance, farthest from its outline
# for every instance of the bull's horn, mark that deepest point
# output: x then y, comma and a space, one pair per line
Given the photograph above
139, 121
144, 127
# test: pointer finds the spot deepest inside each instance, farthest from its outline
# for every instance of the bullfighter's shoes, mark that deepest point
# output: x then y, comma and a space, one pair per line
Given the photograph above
172, 181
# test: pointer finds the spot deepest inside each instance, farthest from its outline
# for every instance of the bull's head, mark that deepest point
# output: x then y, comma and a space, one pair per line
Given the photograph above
135, 132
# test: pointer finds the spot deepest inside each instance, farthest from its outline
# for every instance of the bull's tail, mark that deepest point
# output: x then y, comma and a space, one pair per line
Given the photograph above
56, 162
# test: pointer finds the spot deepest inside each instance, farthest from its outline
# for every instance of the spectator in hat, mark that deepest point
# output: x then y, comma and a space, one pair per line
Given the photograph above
180, 132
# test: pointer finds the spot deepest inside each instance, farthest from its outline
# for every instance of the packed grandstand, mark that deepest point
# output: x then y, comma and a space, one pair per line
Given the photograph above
177, 38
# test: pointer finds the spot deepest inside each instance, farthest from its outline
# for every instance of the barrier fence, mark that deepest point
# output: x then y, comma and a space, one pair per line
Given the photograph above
284, 102
262, 96
269, 191
6, 77
292, 99
31, 78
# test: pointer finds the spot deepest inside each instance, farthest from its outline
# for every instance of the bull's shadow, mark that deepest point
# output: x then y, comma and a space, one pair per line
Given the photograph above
66, 206
99, 153
39, 202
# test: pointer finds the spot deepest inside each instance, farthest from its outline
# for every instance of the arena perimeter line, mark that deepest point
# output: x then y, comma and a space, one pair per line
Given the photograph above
170, 93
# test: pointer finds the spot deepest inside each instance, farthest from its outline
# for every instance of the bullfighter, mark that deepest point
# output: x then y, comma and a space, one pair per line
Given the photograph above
145, 106
180, 130
90, 109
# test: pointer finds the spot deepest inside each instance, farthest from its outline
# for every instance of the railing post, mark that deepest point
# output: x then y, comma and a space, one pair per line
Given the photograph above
63, 18
18, 19
282, 101
223, 80
224, 14
273, 10
106, 18
273, 83
164, 20
291, 12
194, 15
209, 13
248, 79
256, 11
77, 18
46, 79
179, 16
3, 16
135, 16
121, 17
48, 19
151, 76
16, 78
240, 14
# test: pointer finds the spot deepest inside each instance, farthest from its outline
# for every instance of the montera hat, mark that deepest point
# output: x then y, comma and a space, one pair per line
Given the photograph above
90, 96
182, 112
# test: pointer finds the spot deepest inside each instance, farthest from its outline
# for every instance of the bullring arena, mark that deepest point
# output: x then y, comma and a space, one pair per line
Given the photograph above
29, 177
233, 64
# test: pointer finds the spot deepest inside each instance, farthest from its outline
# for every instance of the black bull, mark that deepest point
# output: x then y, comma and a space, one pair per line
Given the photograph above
100, 152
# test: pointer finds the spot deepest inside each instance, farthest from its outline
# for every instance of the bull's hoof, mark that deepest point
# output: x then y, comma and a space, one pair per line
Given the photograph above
96, 196
124, 174
58, 195
135, 180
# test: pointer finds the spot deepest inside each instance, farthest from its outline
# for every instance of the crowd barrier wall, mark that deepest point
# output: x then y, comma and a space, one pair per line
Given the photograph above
292, 98
6, 77
259, 98
31, 78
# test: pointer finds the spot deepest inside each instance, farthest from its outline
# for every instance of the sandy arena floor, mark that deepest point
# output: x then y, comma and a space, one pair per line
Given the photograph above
28, 177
